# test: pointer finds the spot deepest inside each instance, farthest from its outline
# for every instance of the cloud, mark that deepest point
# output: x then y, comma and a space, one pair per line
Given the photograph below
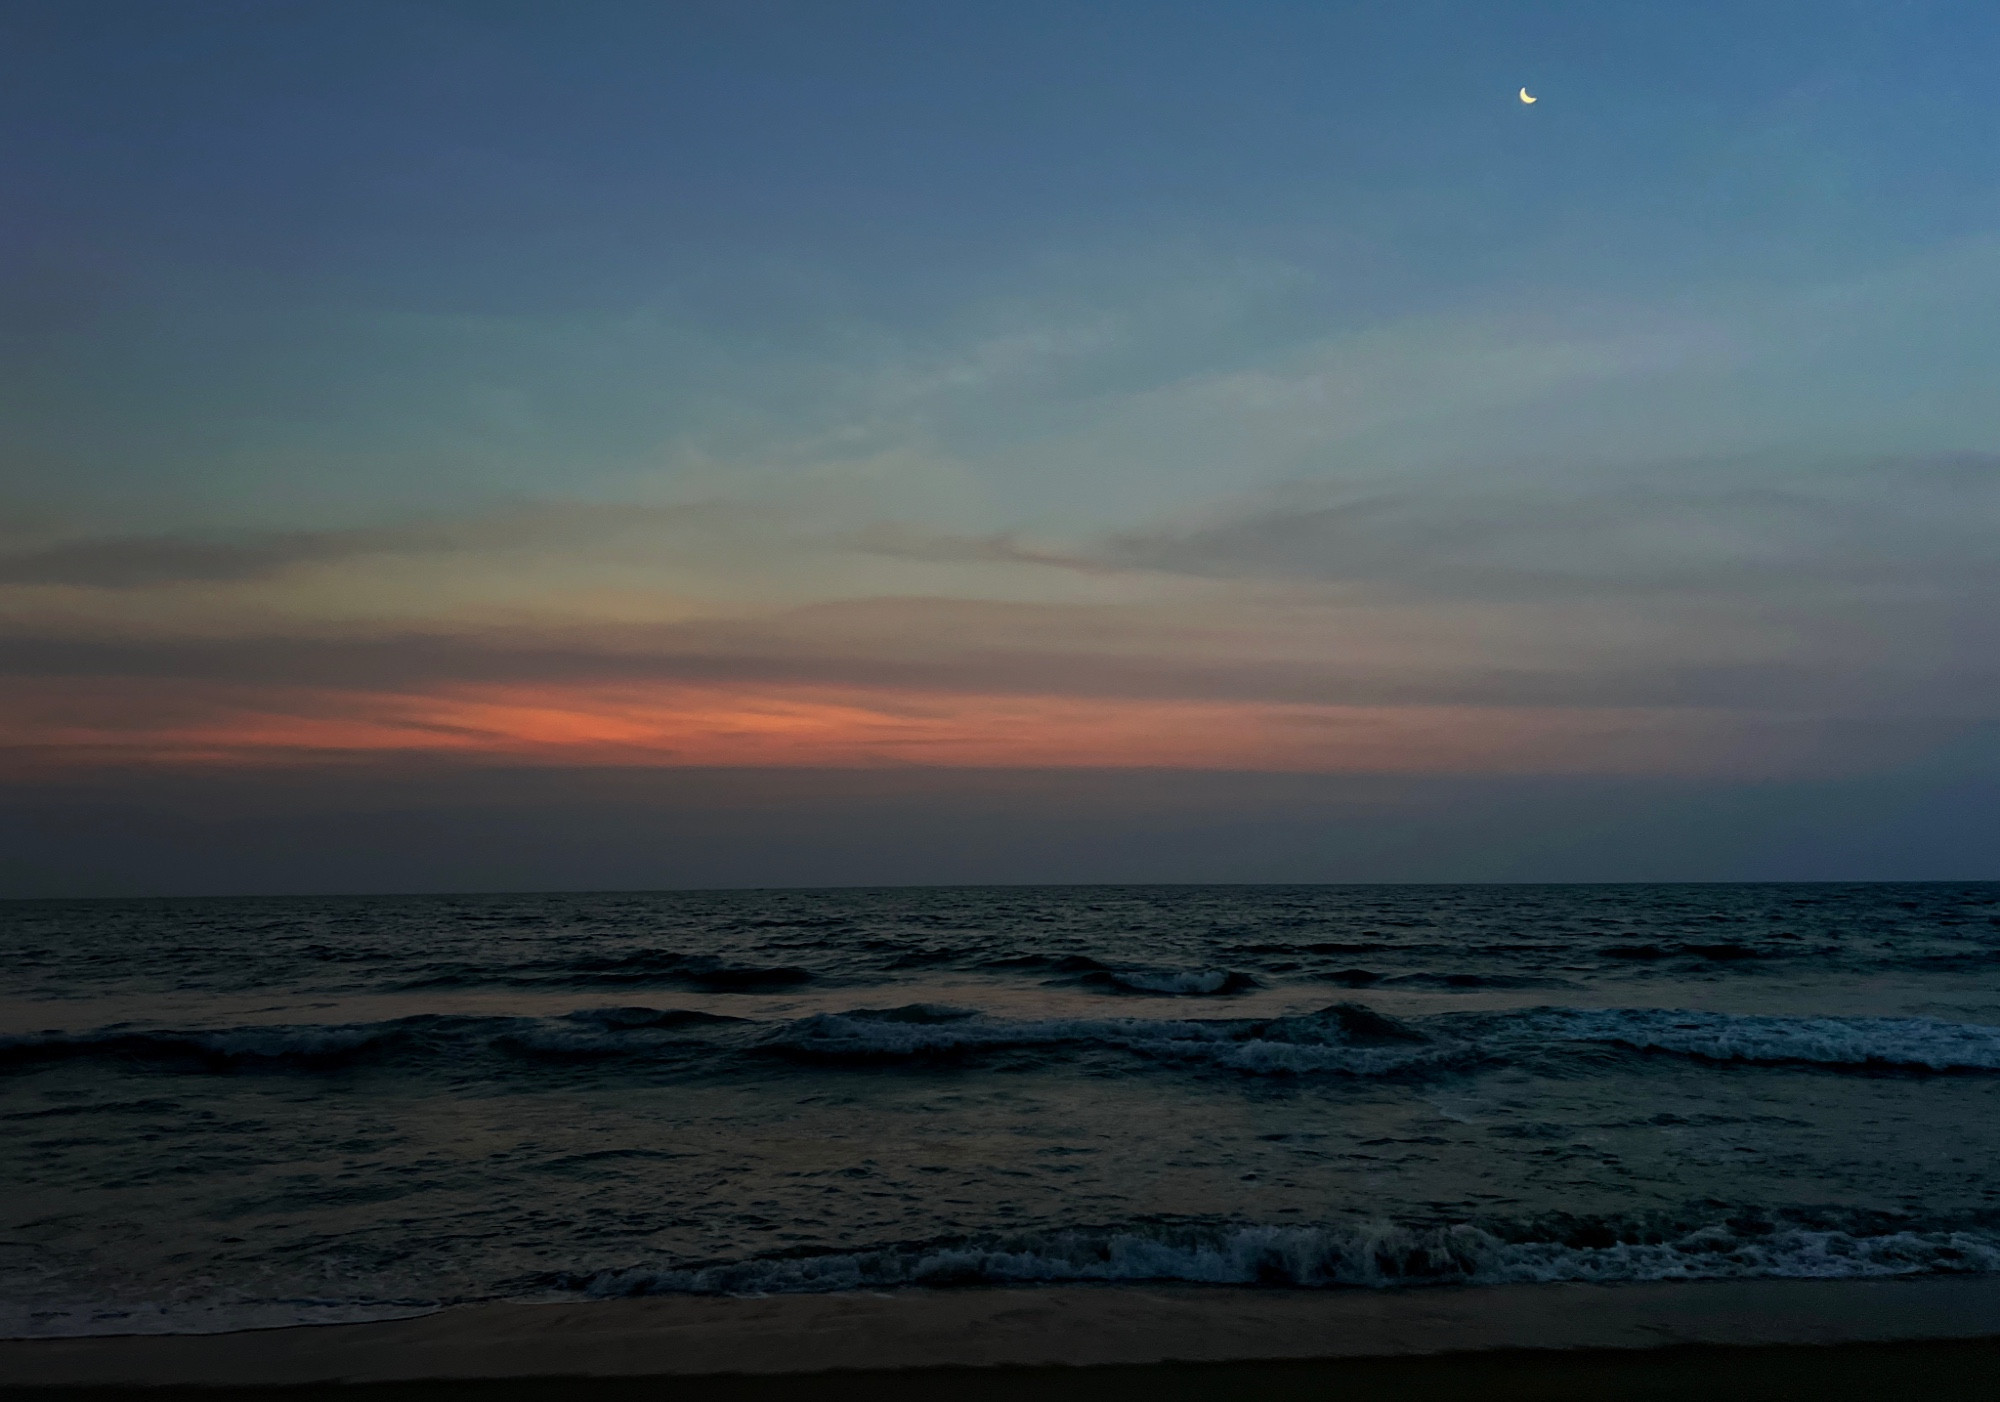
132, 562
1230, 645
1676, 618
123, 723
1714, 527
139, 562
1229, 682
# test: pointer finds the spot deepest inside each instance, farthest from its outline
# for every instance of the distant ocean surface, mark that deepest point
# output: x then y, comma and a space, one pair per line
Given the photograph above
225, 1113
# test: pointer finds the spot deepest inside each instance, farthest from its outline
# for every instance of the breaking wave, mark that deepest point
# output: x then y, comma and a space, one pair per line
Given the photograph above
1355, 1040
1860, 1043
1375, 1255
1170, 982
1344, 1039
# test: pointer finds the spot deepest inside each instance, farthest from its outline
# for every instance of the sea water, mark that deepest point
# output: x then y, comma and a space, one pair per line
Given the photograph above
224, 1113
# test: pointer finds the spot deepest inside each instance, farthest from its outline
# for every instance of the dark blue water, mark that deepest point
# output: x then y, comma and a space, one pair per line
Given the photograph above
233, 1112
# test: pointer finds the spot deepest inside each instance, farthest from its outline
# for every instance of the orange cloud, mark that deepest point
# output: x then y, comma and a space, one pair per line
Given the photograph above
73, 721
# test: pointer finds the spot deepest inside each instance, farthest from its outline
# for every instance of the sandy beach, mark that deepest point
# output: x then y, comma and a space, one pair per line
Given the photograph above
1751, 1339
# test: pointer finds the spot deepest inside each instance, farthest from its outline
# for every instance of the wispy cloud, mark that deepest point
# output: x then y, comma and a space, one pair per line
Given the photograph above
178, 723
135, 562
1695, 527
138, 562
1683, 616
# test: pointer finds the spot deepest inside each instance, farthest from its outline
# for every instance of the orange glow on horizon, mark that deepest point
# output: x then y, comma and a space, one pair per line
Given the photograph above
73, 723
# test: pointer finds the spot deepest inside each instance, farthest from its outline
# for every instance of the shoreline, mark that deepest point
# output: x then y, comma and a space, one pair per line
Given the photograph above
736, 1343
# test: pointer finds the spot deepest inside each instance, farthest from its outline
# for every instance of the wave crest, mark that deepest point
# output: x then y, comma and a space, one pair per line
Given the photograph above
1374, 1255
1344, 1038
1860, 1043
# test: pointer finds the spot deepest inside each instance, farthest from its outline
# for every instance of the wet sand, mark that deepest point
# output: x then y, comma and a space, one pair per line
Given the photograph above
1826, 1340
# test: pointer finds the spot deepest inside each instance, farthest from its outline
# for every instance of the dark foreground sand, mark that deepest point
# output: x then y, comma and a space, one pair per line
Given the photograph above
1822, 1340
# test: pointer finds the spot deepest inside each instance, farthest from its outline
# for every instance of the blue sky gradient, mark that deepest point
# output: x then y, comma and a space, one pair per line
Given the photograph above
1179, 387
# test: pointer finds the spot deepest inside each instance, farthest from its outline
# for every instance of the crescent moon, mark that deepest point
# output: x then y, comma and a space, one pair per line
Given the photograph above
1526, 98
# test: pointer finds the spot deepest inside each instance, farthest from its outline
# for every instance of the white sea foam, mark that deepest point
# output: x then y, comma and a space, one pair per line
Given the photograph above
1888, 1042
1344, 1039
1172, 982
1331, 1040
1375, 1255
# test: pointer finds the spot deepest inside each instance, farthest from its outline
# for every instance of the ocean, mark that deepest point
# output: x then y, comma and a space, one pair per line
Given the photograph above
229, 1113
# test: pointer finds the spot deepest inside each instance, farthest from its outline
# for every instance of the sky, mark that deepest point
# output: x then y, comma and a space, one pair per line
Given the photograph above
519, 445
